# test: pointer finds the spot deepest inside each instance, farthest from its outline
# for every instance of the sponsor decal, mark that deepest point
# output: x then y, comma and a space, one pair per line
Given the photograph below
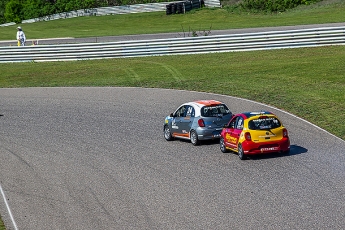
230, 139
173, 124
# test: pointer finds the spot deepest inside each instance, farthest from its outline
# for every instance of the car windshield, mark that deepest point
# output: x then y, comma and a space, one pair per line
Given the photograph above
264, 123
215, 111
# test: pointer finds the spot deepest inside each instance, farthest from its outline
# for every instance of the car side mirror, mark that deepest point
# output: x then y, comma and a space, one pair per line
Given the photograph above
171, 115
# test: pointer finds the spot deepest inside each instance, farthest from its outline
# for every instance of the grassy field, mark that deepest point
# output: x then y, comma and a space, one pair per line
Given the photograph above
198, 20
308, 82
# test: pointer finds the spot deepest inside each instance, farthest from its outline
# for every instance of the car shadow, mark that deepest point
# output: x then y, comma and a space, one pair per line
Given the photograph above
203, 142
210, 142
294, 150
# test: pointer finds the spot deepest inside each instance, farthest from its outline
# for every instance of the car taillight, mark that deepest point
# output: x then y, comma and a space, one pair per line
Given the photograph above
201, 123
247, 136
285, 133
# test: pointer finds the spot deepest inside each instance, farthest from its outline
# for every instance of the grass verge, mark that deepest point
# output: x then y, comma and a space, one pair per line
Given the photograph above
308, 82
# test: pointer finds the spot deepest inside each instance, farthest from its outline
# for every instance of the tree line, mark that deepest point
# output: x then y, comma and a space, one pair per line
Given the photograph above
274, 5
18, 10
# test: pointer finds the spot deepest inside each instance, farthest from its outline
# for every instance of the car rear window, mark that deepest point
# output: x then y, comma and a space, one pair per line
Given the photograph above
215, 111
264, 123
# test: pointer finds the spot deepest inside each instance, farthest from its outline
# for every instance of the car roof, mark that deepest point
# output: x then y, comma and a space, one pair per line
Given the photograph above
202, 103
258, 113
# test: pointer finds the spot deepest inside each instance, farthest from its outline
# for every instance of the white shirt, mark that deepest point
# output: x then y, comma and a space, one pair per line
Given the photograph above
21, 36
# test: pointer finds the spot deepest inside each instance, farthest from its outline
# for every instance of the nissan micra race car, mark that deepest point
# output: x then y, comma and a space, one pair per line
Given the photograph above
254, 133
197, 121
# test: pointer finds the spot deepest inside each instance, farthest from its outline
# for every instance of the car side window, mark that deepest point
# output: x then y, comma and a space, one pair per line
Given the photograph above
183, 111
232, 123
180, 112
190, 112
239, 123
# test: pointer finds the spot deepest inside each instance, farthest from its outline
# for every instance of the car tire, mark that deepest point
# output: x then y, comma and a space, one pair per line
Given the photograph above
241, 154
222, 145
167, 133
194, 138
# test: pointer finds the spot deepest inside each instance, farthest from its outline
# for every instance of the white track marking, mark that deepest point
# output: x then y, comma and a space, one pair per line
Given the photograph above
8, 208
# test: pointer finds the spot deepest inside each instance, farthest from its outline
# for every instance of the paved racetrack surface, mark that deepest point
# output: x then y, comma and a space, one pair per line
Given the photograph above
96, 158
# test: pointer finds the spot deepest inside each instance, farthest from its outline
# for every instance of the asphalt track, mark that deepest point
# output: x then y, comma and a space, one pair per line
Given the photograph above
96, 158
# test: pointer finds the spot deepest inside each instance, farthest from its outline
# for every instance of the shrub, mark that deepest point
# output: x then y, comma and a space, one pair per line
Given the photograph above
273, 5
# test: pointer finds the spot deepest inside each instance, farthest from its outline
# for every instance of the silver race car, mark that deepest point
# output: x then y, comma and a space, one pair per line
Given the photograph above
197, 121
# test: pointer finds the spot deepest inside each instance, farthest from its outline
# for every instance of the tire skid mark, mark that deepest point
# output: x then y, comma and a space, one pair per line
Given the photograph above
173, 71
131, 73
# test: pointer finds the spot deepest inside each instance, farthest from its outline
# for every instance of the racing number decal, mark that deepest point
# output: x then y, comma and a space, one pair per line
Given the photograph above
189, 111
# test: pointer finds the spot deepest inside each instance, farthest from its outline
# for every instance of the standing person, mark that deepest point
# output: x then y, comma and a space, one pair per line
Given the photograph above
20, 36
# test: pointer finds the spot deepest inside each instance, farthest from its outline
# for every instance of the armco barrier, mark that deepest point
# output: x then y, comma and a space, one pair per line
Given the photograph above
176, 46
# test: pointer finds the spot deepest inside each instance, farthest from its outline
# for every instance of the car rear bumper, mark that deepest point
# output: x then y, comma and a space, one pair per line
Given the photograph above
208, 134
252, 148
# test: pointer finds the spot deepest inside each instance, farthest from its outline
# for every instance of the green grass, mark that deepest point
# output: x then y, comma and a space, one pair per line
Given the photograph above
156, 22
2, 226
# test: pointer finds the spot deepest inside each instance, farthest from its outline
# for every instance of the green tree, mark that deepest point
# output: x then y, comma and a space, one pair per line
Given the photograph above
2, 11
32, 8
13, 11
274, 5
47, 8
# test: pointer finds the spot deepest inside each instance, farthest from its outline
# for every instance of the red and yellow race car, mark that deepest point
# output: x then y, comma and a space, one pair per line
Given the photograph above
254, 133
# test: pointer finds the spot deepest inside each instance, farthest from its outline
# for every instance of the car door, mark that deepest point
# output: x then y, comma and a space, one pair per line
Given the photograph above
233, 132
178, 122
236, 134
186, 120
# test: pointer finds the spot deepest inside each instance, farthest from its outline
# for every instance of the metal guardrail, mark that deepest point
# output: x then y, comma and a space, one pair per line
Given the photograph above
212, 3
126, 9
325, 36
